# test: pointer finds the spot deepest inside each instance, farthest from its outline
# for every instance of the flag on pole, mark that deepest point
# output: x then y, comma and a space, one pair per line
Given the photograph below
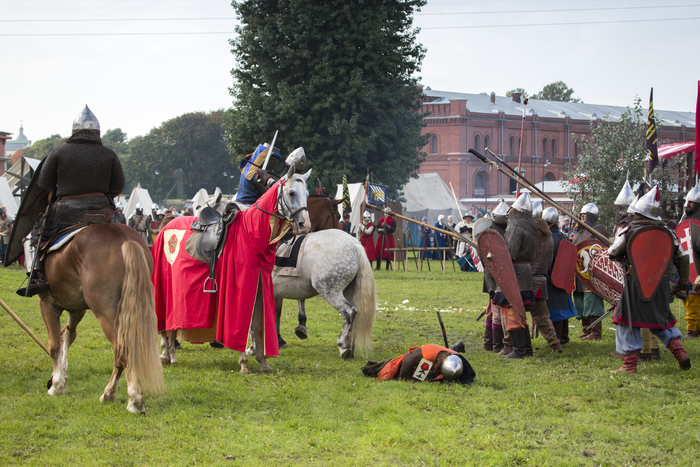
346, 195
697, 131
652, 135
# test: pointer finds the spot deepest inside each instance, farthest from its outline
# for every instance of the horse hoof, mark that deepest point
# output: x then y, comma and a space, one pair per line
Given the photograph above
165, 360
284, 346
245, 371
266, 371
347, 354
300, 331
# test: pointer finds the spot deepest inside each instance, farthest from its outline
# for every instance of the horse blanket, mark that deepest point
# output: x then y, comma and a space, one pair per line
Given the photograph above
248, 254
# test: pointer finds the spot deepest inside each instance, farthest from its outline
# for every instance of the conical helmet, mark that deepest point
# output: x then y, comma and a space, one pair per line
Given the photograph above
694, 194
634, 201
649, 205
551, 215
626, 196
536, 209
501, 209
590, 208
523, 203
86, 120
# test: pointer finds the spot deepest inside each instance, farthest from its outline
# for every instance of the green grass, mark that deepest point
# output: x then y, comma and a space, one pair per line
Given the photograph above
317, 409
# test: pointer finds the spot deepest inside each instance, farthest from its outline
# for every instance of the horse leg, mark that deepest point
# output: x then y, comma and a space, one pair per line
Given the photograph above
257, 329
172, 336
165, 356
337, 300
278, 317
300, 329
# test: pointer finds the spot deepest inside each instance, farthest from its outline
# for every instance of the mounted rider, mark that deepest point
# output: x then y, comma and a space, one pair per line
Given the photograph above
74, 198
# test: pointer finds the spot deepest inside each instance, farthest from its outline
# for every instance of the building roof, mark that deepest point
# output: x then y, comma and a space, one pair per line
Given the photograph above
481, 103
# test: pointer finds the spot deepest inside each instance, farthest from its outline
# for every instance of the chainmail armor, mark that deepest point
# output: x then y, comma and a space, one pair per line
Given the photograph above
521, 238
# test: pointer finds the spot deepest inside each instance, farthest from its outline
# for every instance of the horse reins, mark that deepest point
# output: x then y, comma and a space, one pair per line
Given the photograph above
284, 206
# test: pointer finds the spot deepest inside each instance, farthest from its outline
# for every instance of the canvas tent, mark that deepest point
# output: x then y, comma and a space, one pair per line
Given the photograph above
138, 195
200, 198
357, 195
429, 196
7, 200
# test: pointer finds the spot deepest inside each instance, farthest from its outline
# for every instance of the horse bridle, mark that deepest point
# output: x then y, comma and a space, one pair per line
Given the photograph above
282, 206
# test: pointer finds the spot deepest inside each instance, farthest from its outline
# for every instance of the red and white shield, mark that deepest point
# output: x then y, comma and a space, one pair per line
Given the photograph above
684, 234
600, 274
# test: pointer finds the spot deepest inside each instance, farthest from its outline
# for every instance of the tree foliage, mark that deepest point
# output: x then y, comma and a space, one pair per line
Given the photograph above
116, 140
557, 91
523, 93
192, 142
613, 150
335, 77
43, 147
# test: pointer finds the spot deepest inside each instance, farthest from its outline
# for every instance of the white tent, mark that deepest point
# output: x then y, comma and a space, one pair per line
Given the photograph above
429, 196
199, 198
25, 167
357, 195
7, 201
138, 195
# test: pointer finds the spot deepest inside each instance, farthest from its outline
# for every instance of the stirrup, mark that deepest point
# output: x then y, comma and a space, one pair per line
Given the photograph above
214, 284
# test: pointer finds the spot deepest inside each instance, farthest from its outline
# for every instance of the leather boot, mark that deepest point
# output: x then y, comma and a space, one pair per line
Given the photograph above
488, 337
528, 343
629, 363
656, 354
388, 263
379, 264
36, 286
584, 324
497, 339
519, 338
678, 351
596, 333
564, 339
507, 344
691, 334
556, 348
558, 327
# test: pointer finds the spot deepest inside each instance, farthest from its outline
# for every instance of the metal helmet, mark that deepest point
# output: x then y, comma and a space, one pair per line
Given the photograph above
523, 203
589, 208
160, 212
366, 214
551, 215
297, 158
452, 368
649, 205
693, 195
626, 196
536, 209
120, 205
629, 209
155, 207
86, 120
501, 209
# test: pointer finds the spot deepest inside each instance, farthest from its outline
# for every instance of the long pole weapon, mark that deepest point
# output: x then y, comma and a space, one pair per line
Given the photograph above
520, 153
456, 202
532, 187
442, 326
270, 151
24, 326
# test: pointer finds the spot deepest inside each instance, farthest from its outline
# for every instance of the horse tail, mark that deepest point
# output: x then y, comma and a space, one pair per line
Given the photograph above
137, 335
364, 297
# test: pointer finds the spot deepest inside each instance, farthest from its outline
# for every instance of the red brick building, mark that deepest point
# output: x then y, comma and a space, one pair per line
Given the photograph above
459, 121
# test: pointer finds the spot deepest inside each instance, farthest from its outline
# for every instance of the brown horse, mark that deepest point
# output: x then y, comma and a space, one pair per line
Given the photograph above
323, 213
105, 268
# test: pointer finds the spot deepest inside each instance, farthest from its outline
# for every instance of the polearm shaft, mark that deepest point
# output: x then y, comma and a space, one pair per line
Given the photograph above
24, 326
530, 186
437, 229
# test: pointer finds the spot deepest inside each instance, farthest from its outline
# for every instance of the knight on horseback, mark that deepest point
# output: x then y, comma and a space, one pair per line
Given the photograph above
74, 198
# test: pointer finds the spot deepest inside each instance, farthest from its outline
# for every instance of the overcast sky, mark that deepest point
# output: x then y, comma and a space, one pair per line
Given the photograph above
140, 63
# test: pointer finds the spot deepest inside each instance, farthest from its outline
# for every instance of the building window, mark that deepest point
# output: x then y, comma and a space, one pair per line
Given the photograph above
576, 149
549, 177
477, 141
479, 185
486, 142
511, 146
554, 147
433, 146
545, 142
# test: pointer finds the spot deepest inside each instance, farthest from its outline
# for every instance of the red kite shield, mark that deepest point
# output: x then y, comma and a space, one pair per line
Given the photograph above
684, 232
600, 274
649, 250
496, 258
564, 270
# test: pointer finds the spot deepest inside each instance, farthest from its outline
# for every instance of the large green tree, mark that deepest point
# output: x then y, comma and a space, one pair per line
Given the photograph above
116, 140
557, 91
335, 77
43, 147
190, 148
613, 151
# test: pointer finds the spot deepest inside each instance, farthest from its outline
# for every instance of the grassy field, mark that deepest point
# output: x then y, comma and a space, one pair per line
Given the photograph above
316, 409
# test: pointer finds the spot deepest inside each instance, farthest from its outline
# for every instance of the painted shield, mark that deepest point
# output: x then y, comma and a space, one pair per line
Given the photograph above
600, 274
496, 258
649, 250
684, 232
479, 226
564, 269
34, 202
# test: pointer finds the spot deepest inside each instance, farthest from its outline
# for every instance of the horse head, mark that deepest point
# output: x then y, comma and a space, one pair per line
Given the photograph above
293, 201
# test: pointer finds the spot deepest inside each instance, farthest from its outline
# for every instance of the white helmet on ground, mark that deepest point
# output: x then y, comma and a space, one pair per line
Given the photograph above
452, 368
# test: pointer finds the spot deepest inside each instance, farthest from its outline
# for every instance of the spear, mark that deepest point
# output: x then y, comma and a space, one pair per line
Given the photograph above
24, 326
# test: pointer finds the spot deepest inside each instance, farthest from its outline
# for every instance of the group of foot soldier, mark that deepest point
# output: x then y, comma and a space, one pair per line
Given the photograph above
642, 314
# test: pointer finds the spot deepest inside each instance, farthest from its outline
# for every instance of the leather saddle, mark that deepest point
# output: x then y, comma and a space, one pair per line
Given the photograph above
211, 229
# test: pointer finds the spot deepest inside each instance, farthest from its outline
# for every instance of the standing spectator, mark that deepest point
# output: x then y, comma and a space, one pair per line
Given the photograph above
440, 238
465, 228
427, 239
386, 229
141, 223
5, 229
366, 231
346, 225
119, 217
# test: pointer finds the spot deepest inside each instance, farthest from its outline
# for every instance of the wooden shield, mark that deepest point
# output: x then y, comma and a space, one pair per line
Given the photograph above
600, 274
479, 226
564, 270
496, 258
687, 240
34, 202
649, 250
